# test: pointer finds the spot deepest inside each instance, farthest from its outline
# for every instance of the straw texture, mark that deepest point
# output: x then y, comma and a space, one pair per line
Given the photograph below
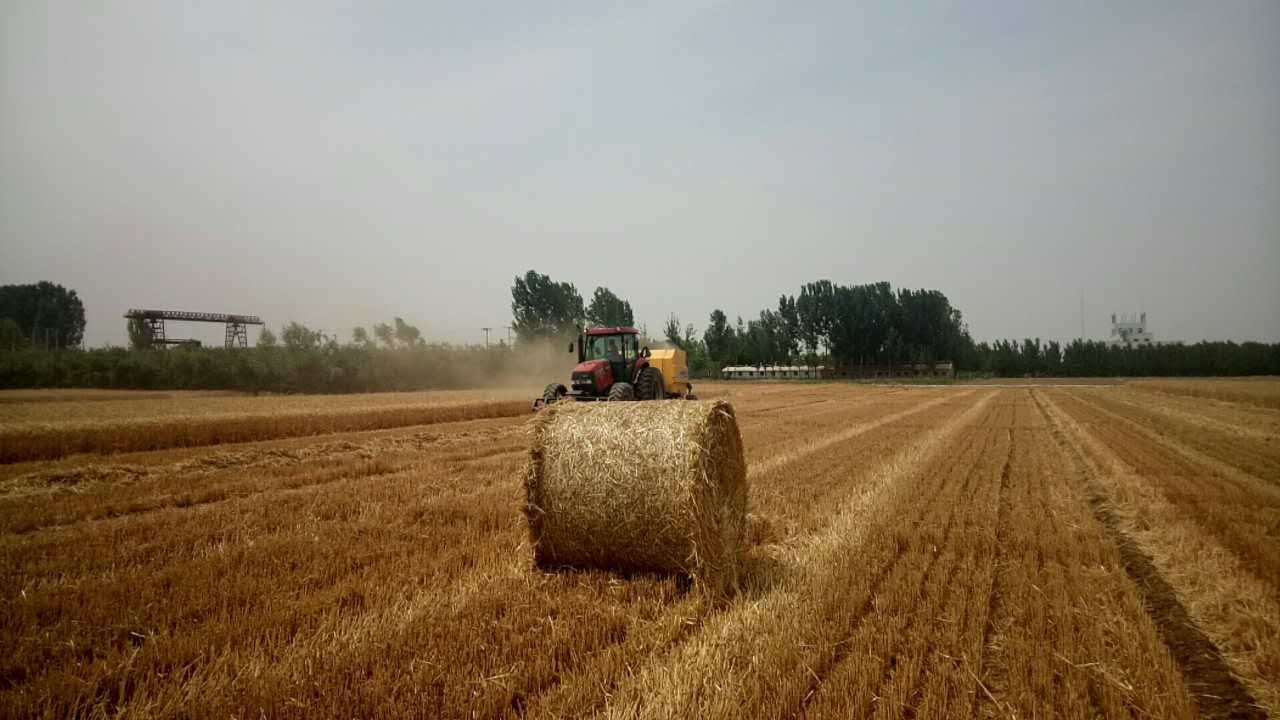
642, 486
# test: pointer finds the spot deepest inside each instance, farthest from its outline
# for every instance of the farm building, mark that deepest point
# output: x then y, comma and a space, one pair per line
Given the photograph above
921, 369
1130, 331
774, 372
809, 372
942, 369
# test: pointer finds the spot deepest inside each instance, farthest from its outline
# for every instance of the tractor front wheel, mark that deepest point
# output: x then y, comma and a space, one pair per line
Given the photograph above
553, 392
649, 385
622, 391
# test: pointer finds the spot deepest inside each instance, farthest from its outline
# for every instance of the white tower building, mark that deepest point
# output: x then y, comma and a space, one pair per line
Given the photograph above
1130, 331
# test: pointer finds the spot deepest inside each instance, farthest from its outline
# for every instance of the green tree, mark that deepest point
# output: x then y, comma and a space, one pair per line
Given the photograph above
719, 339
862, 323
266, 338
690, 337
541, 307
743, 350
696, 350
816, 313
360, 337
141, 336
766, 339
609, 310
789, 318
1053, 358
671, 331
406, 334
930, 328
47, 314
385, 334
1032, 362
10, 334
297, 336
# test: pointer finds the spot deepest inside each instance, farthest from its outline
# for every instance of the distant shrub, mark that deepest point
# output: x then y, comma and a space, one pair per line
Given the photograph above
319, 369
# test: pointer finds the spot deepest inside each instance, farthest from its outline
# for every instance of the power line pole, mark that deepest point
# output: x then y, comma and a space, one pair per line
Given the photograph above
1081, 316
486, 336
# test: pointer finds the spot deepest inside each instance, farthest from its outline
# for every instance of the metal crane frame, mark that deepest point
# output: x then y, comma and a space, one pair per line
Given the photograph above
237, 334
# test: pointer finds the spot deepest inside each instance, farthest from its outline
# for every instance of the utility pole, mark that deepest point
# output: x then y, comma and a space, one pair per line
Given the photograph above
486, 335
1081, 316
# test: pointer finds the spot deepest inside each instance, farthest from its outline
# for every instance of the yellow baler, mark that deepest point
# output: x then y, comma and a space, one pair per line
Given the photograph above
674, 366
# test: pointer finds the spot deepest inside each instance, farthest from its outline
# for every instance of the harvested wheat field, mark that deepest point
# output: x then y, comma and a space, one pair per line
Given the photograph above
56, 424
917, 552
1264, 392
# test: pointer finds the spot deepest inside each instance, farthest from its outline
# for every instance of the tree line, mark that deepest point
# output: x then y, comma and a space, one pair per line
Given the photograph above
1094, 358
297, 360
823, 323
839, 324
542, 308
872, 324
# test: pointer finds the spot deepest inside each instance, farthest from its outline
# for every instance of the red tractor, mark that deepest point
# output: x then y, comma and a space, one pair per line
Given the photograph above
613, 366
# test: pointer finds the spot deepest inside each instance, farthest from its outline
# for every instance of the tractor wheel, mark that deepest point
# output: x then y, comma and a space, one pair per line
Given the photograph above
553, 392
622, 391
649, 385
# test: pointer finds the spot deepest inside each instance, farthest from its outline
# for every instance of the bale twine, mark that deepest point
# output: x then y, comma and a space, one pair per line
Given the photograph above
639, 486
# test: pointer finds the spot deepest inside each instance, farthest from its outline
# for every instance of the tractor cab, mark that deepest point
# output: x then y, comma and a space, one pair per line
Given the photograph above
617, 346
607, 356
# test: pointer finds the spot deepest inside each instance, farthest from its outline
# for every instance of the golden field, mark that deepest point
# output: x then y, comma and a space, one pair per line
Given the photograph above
1263, 392
53, 424
919, 552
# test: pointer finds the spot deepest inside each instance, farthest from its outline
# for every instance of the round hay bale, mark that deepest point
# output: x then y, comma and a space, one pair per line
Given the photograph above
642, 486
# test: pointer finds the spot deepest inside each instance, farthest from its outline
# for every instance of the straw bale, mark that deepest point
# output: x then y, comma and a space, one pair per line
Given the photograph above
639, 486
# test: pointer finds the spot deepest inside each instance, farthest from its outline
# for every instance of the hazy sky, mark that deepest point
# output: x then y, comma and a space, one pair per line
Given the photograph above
340, 164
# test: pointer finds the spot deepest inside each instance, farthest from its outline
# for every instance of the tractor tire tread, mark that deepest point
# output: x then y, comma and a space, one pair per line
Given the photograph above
649, 384
553, 392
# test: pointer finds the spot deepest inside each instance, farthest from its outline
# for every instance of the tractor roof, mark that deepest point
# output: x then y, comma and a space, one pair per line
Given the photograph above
612, 331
